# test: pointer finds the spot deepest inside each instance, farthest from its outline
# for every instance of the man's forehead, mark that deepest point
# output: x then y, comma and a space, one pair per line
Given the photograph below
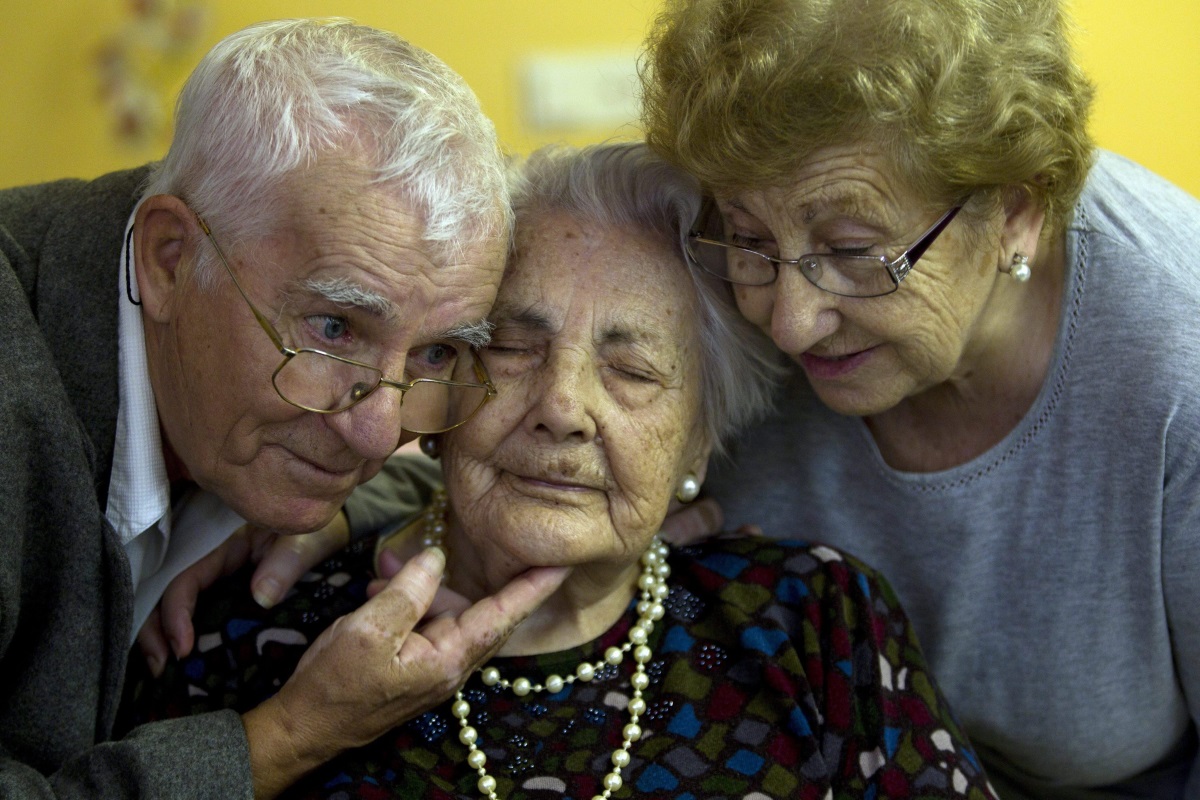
368, 252
343, 183
459, 296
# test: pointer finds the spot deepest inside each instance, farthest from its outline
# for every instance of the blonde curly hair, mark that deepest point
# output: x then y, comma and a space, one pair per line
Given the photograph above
964, 97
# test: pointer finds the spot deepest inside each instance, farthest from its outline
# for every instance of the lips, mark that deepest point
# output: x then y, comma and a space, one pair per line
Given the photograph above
331, 467
557, 482
555, 472
829, 367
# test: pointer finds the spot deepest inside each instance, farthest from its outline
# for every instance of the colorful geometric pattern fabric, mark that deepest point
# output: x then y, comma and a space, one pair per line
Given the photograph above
781, 670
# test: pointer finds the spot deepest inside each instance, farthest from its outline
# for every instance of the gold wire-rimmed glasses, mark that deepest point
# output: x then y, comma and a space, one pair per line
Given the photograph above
846, 275
314, 380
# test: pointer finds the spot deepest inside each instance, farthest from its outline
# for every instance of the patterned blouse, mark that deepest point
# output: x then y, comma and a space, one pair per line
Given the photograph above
781, 670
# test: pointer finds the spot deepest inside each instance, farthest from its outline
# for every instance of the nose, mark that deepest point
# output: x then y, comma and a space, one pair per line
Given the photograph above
371, 428
801, 314
564, 407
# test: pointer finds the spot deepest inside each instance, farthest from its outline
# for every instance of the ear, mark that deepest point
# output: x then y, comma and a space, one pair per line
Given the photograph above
162, 231
699, 462
1024, 219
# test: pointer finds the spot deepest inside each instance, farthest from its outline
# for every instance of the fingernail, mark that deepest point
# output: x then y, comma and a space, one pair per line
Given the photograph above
433, 559
155, 662
266, 592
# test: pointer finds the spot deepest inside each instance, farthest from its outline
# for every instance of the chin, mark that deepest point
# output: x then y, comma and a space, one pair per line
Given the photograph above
852, 403
291, 515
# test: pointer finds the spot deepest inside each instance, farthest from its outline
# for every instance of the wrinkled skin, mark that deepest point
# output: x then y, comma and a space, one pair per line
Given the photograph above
940, 369
280, 467
290, 470
596, 421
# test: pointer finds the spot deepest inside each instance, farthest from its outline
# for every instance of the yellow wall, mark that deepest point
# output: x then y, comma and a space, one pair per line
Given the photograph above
1145, 60
1144, 57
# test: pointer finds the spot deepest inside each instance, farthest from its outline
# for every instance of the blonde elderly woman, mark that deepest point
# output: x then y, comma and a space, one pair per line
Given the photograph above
994, 343
746, 668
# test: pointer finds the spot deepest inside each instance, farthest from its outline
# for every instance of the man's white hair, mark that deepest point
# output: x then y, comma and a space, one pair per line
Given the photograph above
276, 97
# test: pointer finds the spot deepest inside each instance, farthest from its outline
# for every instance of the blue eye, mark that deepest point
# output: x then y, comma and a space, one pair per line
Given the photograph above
327, 327
438, 354
435, 360
335, 328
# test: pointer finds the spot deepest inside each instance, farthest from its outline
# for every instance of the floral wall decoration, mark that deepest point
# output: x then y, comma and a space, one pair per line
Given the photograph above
140, 63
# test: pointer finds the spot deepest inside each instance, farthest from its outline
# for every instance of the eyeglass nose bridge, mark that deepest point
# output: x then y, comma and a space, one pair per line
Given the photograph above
361, 391
369, 380
358, 391
810, 267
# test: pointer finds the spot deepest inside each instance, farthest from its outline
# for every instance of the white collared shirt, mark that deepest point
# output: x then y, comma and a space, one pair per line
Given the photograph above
160, 541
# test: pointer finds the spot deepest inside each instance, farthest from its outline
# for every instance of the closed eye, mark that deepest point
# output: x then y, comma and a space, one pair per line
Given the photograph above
635, 375
748, 242
496, 347
508, 357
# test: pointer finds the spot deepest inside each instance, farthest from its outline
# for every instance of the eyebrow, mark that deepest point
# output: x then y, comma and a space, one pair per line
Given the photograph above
831, 200
528, 317
852, 204
475, 334
620, 334
616, 332
348, 294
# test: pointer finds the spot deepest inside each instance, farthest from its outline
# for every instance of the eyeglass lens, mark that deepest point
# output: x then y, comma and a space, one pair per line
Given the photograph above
853, 276
319, 382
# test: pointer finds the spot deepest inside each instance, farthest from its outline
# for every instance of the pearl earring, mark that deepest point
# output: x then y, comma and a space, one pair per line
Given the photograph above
431, 445
689, 489
1019, 268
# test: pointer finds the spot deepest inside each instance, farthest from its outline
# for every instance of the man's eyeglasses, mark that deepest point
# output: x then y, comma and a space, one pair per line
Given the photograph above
846, 275
327, 384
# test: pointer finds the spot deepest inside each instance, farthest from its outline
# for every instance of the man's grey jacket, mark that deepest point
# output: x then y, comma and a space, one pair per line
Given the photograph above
65, 594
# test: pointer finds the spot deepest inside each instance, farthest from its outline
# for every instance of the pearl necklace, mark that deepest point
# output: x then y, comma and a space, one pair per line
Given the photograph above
652, 585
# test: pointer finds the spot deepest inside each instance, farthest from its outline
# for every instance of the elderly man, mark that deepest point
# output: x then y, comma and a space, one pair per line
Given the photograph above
296, 291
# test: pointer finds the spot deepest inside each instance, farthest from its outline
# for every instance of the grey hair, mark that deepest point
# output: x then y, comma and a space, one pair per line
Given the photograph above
625, 185
275, 97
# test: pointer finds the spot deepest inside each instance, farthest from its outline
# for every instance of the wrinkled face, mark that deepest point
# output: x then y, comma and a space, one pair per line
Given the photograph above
595, 360
864, 355
349, 274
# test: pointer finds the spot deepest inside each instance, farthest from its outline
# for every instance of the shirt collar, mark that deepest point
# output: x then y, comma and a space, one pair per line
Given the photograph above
139, 494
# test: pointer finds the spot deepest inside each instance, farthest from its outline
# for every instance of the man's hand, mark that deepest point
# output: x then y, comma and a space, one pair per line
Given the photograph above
693, 523
699, 521
281, 560
371, 670
289, 557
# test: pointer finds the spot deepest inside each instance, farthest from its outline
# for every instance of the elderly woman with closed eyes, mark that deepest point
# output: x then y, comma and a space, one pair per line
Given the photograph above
993, 339
745, 668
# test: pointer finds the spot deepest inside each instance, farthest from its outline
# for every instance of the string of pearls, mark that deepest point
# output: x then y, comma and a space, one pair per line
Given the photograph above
433, 525
652, 586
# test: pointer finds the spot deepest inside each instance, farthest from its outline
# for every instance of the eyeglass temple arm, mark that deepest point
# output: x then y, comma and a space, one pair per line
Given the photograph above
262, 321
482, 375
918, 249
707, 206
